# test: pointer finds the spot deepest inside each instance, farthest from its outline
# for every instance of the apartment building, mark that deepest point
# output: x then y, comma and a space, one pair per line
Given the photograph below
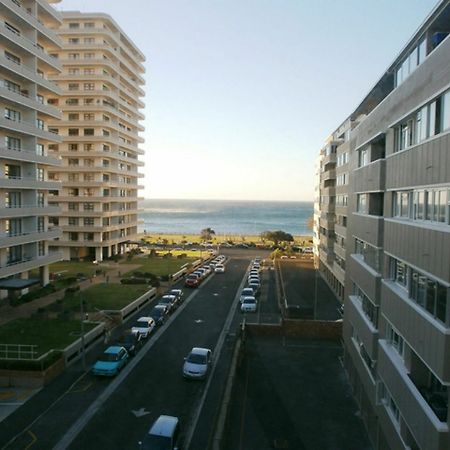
27, 43
387, 167
101, 85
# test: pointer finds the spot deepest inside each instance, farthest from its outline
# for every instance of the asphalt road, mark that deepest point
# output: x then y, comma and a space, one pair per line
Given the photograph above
79, 411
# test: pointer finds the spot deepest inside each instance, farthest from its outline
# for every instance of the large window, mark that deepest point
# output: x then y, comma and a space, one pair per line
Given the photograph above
425, 291
362, 205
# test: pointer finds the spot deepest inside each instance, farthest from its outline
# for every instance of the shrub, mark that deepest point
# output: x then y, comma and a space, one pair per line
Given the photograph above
164, 277
134, 280
72, 290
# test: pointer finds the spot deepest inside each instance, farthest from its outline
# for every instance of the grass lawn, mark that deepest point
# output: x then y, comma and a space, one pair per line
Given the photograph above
47, 334
71, 268
161, 266
104, 296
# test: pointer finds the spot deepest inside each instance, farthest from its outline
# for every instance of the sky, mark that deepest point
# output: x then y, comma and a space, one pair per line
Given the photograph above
242, 94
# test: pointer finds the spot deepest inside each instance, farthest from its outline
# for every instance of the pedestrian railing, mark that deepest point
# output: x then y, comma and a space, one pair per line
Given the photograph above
25, 352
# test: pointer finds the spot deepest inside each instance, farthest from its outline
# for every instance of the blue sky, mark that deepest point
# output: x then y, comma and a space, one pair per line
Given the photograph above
242, 94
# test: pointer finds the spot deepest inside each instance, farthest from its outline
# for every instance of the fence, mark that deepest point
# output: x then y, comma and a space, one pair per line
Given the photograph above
23, 352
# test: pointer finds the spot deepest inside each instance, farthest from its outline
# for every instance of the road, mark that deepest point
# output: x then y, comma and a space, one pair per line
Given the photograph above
100, 413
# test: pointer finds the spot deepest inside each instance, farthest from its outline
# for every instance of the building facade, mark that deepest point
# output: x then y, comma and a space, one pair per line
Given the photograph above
101, 85
27, 42
392, 231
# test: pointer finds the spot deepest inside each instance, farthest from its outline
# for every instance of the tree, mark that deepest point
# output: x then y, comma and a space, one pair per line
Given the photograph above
206, 234
277, 236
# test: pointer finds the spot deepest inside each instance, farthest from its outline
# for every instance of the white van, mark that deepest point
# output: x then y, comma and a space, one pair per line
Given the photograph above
164, 433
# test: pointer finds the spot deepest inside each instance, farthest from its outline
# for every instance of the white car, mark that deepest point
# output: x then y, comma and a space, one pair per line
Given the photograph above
255, 285
197, 363
246, 292
254, 278
144, 326
220, 268
249, 304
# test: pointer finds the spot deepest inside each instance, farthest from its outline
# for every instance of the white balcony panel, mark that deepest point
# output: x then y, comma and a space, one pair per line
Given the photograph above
27, 211
27, 238
30, 264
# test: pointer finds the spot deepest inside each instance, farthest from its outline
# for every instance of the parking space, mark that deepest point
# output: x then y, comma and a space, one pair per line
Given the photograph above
293, 394
304, 288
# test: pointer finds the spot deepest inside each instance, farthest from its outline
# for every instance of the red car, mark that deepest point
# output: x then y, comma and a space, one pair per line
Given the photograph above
192, 281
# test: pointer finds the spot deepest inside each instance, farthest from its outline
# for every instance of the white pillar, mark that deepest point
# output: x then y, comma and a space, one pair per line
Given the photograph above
99, 253
44, 273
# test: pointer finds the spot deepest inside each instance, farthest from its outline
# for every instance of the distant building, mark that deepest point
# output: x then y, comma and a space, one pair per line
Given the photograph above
27, 44
101, 101
396, 238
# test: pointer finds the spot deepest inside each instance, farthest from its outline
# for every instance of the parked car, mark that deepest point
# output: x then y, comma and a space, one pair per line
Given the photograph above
170, 301
178, 294
255, 285
255, 278
249, 304
130, 341
192, 280
111, 361
164, 434
197, 363
159, 314
143, 326
246, 292
220, 268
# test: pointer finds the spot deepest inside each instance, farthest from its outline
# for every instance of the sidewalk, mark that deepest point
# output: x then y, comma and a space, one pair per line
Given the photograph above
9, 313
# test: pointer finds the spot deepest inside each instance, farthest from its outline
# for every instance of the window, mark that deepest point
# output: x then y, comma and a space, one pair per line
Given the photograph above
88, 132
40, 224
106, 133
12, 28
12, 114
389, 403
88, 101
88, 221
40, 199
73, 221
40, 174
89, 116
74, 41
40, 150
363, 157
73, 147
89, 71
89, 24
73, 236
73, 116
342, 179
14, 254
89, 55
402, 204
74, 71
73, 162
88, 207
395, 339
73, 177
88, 177
72, 101
88, 147
41, 248
73, 206
74, 56
362, 204
89, 86
74, 86
13, 58
12, 143
89, 40
88, 162
73, 131
73, 25
11, 86
370, 254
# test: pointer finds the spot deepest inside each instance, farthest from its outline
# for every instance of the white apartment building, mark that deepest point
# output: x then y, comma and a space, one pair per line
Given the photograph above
101, 85
27, 43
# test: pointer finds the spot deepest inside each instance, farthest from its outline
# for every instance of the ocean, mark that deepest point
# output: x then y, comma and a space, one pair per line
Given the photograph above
225, 216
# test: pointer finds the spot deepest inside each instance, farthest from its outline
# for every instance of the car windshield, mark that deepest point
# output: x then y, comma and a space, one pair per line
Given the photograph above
153, 442
108, 357
157, 312
196, 359
249, 300
128, 339
247, 292
141, 324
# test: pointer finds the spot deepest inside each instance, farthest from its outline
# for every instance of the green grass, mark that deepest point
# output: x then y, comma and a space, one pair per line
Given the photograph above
161, 266
47, 334
104, 296
71, 268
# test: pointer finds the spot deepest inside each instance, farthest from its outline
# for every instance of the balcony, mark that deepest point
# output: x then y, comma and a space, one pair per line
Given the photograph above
23, 99
28, 156
429, 432
8, 240
368, 228
27, 17
28, 211
49, 10
29, 46
30, 75
371, 177
26, 264
27, 128
28, 183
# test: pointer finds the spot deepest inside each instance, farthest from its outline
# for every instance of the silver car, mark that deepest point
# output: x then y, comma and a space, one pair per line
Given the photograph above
197, 363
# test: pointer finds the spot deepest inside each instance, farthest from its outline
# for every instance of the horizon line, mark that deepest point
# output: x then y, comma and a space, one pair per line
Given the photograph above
227, 200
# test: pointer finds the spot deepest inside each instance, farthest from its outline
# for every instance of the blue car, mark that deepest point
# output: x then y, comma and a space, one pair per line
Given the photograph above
110, 363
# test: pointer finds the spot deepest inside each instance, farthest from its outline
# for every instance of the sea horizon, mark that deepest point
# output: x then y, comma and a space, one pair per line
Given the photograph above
225, 217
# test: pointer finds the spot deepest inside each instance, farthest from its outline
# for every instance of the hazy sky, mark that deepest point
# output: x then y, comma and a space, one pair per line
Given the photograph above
241, 94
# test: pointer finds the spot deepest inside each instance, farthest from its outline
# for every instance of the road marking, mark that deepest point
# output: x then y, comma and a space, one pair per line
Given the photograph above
82, 389
140, 412
33, 440
198, 321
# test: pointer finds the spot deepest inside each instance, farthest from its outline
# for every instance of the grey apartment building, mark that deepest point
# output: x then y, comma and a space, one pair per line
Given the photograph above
27, 42
396, 236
